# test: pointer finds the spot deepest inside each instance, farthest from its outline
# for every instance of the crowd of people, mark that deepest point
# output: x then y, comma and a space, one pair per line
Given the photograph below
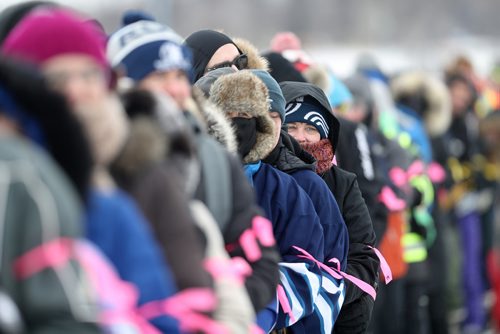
155, 183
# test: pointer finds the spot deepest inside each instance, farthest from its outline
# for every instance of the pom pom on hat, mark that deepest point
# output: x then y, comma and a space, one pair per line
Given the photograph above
49, 32
133, 15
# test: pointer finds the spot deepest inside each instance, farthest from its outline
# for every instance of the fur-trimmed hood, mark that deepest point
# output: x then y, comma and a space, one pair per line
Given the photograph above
244, 92
434, 95
157, 131
319, 75
255, 60
212, 120
106, 126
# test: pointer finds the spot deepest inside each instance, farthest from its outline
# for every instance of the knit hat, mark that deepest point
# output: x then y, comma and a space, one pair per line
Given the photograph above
275, 95
339, 94
48, 32
203, 44
144, 47
308, 110
282, 69
206, 81
285, 40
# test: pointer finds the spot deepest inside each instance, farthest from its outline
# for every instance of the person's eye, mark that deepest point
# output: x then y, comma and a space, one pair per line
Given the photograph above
311, 129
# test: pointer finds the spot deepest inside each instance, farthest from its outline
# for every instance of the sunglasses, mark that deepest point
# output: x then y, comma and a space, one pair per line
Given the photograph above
241, 63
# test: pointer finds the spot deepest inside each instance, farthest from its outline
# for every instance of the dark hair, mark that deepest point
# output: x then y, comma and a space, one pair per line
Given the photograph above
11, 15
454, 78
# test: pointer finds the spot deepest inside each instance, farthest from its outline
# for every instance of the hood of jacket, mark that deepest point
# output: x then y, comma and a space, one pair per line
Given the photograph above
244, 92
158, 132
437, 114
255, 60
293, 90
212, 120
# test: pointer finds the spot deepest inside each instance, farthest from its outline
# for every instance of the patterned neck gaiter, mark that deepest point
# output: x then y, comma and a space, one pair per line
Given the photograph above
322, 151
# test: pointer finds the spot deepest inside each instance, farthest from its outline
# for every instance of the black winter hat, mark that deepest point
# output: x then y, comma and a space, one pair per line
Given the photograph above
282, 69
12, 15
203, 44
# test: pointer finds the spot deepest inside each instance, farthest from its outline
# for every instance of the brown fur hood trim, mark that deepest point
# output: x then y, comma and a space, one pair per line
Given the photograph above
213, 120
437, 117
147, 145
318, 75
255, 60
244, 92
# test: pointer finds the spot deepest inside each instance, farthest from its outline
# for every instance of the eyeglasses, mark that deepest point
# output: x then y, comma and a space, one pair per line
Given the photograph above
241, 63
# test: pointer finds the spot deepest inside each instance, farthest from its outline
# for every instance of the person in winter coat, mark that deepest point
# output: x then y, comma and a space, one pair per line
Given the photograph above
159, 64
424, 112
244, 99
310, 121
212, 50
42, 206
69, 50
281, 157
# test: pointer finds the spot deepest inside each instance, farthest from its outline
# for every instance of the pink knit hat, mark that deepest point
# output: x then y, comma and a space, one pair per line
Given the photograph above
50, 32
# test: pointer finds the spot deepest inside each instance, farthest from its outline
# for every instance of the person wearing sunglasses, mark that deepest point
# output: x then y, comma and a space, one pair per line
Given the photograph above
213, 50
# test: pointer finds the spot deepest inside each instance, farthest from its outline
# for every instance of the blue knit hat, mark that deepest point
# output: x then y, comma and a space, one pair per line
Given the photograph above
144, 47
277, 101
308, 110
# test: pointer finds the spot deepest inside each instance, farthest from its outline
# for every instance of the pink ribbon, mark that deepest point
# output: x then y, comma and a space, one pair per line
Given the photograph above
52, 254
235, 268
285, 305
188, 307
384, 266
434, 171
338, 274
390, 200
261, 231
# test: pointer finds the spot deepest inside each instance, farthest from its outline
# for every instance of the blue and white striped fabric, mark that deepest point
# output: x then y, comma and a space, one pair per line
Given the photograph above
326, 307
314, 297
301, 283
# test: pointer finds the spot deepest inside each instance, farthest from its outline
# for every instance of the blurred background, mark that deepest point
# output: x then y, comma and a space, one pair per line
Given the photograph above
401, 34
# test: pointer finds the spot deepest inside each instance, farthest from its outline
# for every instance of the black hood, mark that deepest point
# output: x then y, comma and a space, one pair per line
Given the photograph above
293, 90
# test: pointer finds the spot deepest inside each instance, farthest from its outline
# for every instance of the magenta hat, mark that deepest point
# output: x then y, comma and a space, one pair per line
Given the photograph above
50, 32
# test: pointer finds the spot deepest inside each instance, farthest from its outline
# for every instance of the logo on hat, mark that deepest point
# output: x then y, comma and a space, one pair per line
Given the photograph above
170, 56
316, 118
